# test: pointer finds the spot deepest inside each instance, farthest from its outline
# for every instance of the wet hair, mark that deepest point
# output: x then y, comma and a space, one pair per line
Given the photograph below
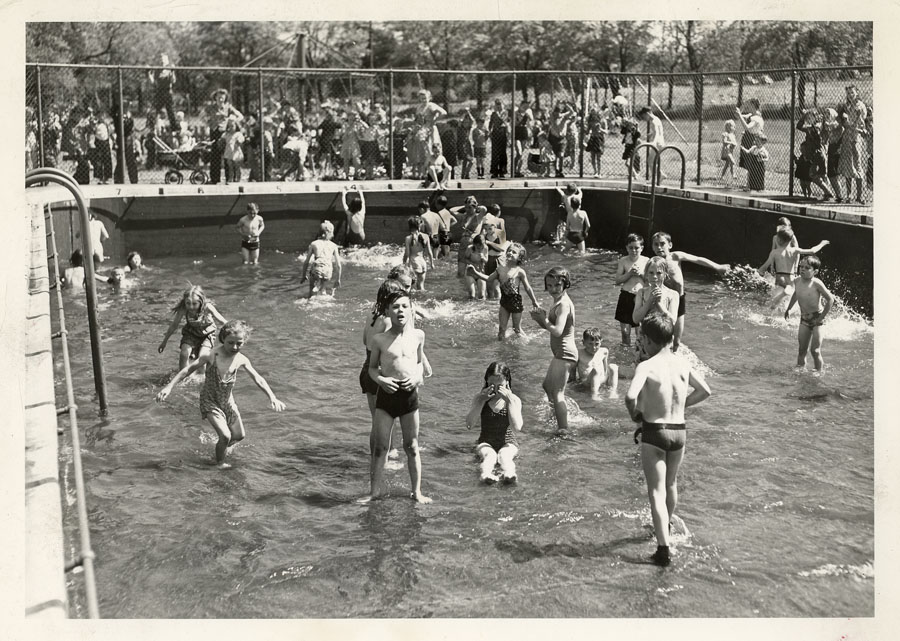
326, 228
658, 327
571, 188
77, 258
591, 332
441, 201
194, 291
414, 222
523, 253
561, 274
661, 234
424, 206
575, 202
403, 269
784, 221
656, 260
253, 207
391, 298
784, 234
354, 204
478, 241
813, 261
387, 288
634, 238
234, 327
471, 200
498, 368
644, 110
130, 258
494, 209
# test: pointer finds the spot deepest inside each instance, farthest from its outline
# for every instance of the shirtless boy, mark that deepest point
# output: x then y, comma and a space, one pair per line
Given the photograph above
662, 246
815, 302
593, 367
396, 365
656, 398
250, 226
785, 257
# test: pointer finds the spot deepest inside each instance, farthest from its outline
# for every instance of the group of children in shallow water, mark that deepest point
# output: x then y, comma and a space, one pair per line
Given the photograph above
651, 301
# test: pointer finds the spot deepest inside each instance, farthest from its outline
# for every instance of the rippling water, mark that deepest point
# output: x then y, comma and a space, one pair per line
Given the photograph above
776, 491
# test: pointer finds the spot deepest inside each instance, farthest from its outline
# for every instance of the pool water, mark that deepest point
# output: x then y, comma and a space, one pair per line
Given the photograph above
776, 489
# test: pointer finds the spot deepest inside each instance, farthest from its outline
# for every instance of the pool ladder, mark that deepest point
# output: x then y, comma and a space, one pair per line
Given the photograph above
85, 559
653, 173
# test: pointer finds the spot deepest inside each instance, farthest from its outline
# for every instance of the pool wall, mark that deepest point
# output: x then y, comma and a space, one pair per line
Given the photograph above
196, 221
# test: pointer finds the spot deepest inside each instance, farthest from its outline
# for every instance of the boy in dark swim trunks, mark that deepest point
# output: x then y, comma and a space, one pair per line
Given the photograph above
656, 398
250, 227
809, 293
396, 365
785, 257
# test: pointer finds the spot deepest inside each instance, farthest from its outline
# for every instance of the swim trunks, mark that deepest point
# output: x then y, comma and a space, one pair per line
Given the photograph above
681, 305
352, 238
510, 298
322, 269
625, 308
250, 246
811, 319
435, 241
666, 436
444, 237
495, 428
575, 237
366, 383
398, 404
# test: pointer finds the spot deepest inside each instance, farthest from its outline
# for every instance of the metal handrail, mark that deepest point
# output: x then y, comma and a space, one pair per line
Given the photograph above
654, 171
50, 174
86, 556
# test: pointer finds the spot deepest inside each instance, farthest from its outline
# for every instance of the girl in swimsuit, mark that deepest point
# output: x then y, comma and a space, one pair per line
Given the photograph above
216, 401
510, 276
198, 334
560, 322
416, 247
499, 412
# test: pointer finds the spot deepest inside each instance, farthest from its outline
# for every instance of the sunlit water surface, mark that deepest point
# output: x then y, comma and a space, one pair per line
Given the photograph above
776, 490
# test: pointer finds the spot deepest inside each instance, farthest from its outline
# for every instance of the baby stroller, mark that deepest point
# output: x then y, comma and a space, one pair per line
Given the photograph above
179, 160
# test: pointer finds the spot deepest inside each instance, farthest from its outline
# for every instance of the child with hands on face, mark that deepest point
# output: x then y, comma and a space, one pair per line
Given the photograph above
499, 412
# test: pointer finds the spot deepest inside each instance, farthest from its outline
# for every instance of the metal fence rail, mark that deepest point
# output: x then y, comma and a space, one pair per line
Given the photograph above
86, 555
66, 103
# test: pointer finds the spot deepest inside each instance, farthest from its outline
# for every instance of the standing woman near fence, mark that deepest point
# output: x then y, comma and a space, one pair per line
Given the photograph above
431, 112
753, 127
218, 114
855, 161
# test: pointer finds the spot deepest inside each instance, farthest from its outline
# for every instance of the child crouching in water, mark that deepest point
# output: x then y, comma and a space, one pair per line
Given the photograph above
216, 401
593, 367
499, 412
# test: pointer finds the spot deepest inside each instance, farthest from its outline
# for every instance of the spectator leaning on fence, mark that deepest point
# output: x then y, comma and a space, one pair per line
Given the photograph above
854, 165
218, 114
753, 124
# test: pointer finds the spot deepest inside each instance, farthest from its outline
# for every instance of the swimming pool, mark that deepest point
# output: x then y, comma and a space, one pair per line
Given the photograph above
776, 489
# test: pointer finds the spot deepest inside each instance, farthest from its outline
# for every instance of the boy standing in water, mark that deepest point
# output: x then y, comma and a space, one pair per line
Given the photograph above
662, 247
656, 398
785, 256
396, 365
250, 226
326, 262
809, 293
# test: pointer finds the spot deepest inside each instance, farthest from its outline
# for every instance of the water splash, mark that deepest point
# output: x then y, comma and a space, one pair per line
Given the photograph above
380, 257
857, 572
744, 278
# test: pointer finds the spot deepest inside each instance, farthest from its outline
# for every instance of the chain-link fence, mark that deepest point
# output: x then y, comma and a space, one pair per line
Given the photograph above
313, 124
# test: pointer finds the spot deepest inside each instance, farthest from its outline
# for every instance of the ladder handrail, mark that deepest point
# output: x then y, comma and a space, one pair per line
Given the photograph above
654, 171
86, 554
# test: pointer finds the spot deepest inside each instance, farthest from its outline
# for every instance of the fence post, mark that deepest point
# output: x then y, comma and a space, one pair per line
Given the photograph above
120, 129
583, 125
40, 119
793, 130
262, 128
512, 138
391, 124
700, 132
647, 161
